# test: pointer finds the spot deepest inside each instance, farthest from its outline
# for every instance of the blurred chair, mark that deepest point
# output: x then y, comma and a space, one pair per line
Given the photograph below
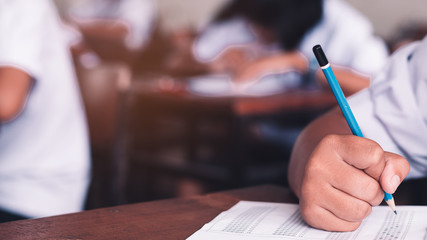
177, 139
173, 138
103, 89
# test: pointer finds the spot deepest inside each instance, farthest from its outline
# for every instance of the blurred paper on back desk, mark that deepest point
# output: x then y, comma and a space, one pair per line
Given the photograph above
263, 220
223, 85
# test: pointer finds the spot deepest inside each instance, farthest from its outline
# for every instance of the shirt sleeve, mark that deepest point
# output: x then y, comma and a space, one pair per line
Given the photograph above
21, 45
393, 111
356, 47
370, 55
218, 36
140, 15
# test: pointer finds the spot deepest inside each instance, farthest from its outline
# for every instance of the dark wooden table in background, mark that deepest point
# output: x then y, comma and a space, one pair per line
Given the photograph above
216, 141
165, 219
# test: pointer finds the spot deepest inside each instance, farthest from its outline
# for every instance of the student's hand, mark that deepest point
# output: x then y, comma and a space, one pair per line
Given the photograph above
232, 59
272, 64
344, 177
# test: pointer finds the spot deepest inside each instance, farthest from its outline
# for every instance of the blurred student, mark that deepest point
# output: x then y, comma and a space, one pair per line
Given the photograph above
256, 39
112, 29
338, 177
251, 38
44, 154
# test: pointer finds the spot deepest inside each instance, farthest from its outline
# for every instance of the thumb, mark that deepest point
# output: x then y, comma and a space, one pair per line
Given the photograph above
395, 170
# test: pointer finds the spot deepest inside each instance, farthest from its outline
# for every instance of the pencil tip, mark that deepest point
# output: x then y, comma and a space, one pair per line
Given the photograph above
395, 212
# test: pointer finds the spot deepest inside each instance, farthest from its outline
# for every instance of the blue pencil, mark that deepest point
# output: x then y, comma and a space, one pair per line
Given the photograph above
345, 108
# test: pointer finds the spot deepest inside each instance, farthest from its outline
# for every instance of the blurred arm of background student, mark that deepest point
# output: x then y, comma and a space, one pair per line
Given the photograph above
14, 88
231, 60
278, 63
350, 81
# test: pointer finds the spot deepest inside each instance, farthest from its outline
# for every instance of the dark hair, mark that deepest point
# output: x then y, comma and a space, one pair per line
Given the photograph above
289, 20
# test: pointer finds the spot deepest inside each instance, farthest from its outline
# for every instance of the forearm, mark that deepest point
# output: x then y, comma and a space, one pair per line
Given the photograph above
272, 64
331, 123
349, 80
14, 88
292, 60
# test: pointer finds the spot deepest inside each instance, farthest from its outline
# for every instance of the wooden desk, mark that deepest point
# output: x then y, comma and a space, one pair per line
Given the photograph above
292, 102
215, 140
165, 219
309, 100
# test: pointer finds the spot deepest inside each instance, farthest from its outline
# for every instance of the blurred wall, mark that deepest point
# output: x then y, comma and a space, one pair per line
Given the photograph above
175, 14
386, 15
389, 15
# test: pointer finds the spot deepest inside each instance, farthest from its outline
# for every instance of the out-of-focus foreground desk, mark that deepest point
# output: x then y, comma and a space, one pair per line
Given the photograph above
166, 219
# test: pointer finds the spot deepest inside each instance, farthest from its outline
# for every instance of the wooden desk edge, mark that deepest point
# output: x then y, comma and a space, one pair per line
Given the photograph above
179, 217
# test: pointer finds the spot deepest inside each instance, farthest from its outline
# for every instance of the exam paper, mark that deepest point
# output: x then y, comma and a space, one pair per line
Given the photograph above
263, 220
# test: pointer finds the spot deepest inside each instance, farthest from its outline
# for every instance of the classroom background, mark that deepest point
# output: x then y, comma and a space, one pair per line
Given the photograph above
152, 138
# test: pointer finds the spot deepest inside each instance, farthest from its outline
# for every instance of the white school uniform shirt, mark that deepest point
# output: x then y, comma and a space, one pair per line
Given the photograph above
139, 15
44, 153
393, 111
345, 35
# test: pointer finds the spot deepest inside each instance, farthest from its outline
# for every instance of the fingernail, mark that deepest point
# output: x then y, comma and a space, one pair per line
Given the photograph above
395, 181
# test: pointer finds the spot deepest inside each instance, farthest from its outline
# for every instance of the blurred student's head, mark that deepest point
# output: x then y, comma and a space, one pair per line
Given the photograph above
286, 20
